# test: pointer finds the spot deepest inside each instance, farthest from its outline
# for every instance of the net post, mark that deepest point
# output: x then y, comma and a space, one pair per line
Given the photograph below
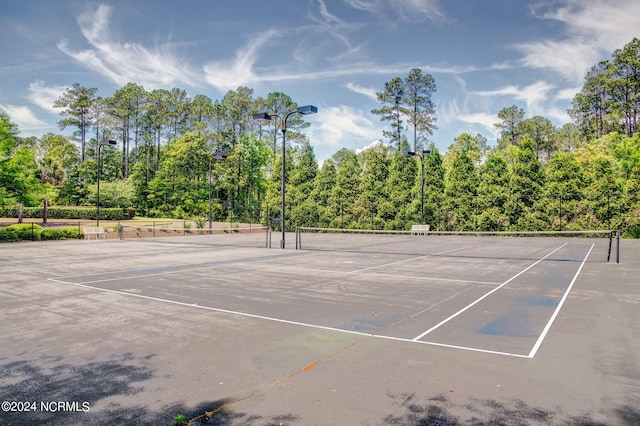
618, 246
268, 238
610, 242
298, 240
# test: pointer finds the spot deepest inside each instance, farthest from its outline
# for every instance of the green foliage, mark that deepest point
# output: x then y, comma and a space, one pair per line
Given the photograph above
179, 420
33, 232
117, 193
8, 235
87, 213
18, 182
583, 175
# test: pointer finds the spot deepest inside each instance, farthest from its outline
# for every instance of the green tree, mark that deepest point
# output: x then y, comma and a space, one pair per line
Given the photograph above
18, 183
434, 173
56, 158
127, 107
563, 185
373, 189
400, 209
460, 185
526, 183
75, 104
542, 133
301, 181
321, 194
418, 90
493, 188
392, 109
346, 190
626, 85
510, 118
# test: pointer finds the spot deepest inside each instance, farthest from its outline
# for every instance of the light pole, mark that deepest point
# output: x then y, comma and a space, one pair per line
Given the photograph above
421, 155
100, 145
213, 157
304, 110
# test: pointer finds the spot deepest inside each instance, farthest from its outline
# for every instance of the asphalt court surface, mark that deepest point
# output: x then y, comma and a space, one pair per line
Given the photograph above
499, 296
431, 331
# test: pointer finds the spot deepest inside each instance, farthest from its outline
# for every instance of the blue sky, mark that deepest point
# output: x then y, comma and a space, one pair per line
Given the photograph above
335, 54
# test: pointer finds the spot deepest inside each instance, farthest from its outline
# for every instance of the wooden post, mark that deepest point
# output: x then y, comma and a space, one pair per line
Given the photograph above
45, 211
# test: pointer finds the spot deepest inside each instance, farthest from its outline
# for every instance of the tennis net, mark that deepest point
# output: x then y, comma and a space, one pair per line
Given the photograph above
602, 244
254, 236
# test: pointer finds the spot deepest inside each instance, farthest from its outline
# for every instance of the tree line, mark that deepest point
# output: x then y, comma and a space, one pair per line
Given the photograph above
169, 160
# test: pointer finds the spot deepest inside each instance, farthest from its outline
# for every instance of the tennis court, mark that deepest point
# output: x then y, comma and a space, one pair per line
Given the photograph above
427, 298
493, 294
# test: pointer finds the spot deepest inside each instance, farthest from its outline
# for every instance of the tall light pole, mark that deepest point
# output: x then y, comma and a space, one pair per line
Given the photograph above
304, 110
100, 145
213, 157
421, 155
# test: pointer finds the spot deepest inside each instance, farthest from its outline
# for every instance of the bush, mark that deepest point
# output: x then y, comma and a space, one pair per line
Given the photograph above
53, 234
88, 213
27, 231
8, 235
33, 232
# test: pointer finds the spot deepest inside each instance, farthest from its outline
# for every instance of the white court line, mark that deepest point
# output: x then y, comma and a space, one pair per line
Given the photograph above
413, 259
485, 295
555, 313
283, 321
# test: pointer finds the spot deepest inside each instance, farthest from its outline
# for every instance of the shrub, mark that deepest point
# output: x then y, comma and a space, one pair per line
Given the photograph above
53, 234
33, 232
27, 231
88, 213
61, 233
8, 235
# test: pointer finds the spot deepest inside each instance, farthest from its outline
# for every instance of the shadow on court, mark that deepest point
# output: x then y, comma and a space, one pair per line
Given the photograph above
438, 411
50, 380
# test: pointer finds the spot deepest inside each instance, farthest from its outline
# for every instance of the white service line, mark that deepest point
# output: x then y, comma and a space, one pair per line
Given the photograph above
413, 259
485, 295
555, 313
297, 323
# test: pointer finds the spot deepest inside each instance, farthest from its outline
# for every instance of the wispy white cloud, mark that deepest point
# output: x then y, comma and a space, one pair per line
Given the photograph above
23, 117
419, 10
484, 120
412, 11
124, 62
239, 71
594, 29
366, 91
44, 96
534, 95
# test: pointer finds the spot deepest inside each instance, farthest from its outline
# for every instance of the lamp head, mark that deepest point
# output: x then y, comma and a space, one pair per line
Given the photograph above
262, 116
307, 109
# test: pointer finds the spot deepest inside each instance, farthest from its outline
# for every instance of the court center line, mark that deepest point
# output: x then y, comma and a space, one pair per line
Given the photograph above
413, 259
535, 348
485, 295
